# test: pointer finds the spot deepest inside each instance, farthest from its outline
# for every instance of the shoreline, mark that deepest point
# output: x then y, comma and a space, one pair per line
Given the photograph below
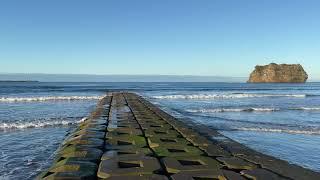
226, 158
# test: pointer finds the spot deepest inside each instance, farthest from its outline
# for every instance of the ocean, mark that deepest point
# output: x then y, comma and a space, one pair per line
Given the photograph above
282, 120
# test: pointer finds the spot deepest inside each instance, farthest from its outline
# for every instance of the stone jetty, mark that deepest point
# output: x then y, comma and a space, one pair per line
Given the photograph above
127, 137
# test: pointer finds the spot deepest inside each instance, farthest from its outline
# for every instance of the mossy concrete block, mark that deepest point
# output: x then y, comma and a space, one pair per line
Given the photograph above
74, 148
127, 148
139, 177
109, 147
124, 115
110, 155
100, 121
179, 126
67, 169
198, 175
101, 129
95, 126
89, 142
187, 132
123, 125
156, 126
215, 151
124, 131
153, 122
80, 154
128, 167
147, 116
191, 163
124, 153
199, 141
261, 174
154, 132
232, 175
281, 167
141, 111
153, 119
137, 141
234, 148
129, 124
121, 120
88, 134
176, 150
128, 132
98, 135
166, 141
236, 163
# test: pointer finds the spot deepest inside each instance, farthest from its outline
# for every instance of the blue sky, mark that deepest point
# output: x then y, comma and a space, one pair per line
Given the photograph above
173, 37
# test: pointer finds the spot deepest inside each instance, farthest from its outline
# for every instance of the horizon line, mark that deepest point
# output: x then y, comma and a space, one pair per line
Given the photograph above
124, 74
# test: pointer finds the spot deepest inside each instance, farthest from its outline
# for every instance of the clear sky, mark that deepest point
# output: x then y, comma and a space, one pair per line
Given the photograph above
173, 37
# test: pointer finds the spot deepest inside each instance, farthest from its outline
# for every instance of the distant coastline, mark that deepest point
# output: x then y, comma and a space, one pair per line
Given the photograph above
115, 78
13, 81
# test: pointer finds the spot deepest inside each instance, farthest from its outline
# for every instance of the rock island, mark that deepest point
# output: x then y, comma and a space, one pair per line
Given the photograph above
278, 73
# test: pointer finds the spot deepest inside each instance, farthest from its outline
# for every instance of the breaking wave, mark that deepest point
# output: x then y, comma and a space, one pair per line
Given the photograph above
217, 110
251, 109
48, 98
227, 96
289, 131
42, 123
307, 108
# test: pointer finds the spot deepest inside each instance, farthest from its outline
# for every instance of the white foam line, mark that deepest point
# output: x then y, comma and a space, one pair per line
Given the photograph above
39, 124
307, 108
48, 98
218, 110
289, 131
227, 96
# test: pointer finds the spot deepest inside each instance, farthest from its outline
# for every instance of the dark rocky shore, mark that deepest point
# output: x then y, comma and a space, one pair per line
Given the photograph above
127, 137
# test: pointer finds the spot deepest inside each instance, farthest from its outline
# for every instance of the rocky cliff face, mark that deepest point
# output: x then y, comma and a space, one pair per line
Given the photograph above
278, 73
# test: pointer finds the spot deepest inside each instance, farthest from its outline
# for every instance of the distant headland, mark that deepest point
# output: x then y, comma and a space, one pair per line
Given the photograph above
278, 73
22, 81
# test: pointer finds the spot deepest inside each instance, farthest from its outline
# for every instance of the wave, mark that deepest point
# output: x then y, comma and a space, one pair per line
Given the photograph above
48, 98
306, 108
217, 110
253, 109
41, 123
289, 131
227, 96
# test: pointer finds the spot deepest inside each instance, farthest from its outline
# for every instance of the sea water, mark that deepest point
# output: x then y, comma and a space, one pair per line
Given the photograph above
282, 120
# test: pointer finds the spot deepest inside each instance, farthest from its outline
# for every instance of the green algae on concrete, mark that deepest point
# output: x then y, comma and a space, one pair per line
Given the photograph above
80, 154
128, 166
67, 169
123, 153
190, 164
199, 175
261, 174
176, 150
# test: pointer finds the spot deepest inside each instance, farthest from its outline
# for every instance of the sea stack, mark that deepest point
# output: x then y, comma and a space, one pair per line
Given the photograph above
278, 73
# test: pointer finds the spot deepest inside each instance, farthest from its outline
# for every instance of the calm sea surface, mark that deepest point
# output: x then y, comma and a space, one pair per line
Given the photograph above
282, 120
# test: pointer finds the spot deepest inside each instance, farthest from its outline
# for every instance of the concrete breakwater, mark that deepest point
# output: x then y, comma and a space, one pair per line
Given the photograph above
127, 137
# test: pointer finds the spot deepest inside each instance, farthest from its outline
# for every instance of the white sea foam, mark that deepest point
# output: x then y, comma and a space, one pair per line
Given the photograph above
307, 108
40, 123
264, 109
48, 98
289, 131
82, 120
218, 110
226, 96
